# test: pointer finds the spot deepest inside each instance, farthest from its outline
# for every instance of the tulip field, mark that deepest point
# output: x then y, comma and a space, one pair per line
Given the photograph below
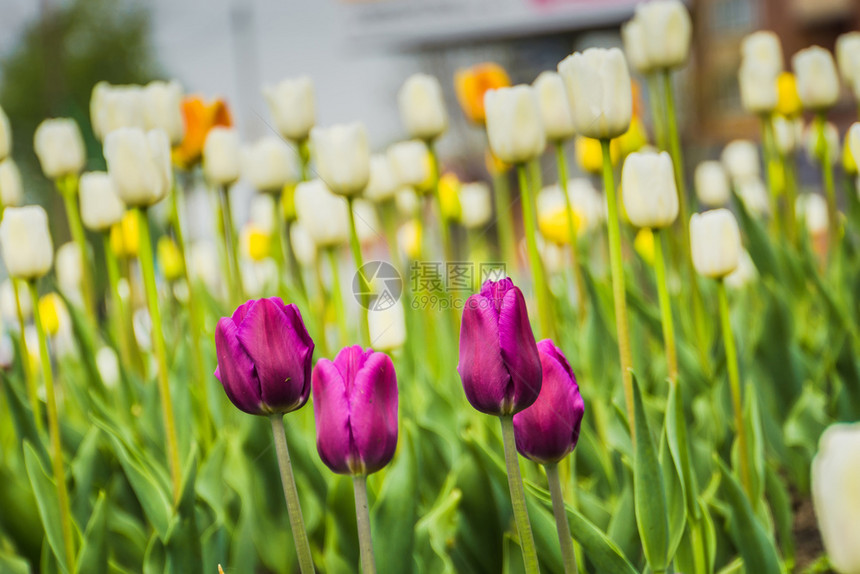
650, 366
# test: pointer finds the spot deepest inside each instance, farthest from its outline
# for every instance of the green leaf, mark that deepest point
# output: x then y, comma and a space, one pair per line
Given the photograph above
93, 556
48, 503
749, 536
648, 492
13, 564
395, 510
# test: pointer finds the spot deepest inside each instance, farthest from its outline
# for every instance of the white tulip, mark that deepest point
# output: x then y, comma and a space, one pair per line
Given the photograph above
259, 277
60, 147
101, 206
68, 266
815, 146
744, 273
599, 90
848, 56
163, 109
323, 214
476, 205
11, 187
5, 136
836, 495
422, 107
763, 49
342, 157
811, 208
108, 366
410, 161
139, 165
407, 201
387, 327
554, 106
817, 80
221, 156
203, 265
552, 256
383, 182
740, 158
759, 93
291, 103
753, 192
785, 134
667, 29
303, 245
715, 241
9, 305
367, 224
270, 164
263, 212
648, 190
514, 124
587, 202
633, 38
114, 107
25, 241
712, 184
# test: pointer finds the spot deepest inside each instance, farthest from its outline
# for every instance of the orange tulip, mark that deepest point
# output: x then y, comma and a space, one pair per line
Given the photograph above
471, 84
200, 117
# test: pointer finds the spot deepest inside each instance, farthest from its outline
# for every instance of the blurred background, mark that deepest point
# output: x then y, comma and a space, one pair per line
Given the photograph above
358, 53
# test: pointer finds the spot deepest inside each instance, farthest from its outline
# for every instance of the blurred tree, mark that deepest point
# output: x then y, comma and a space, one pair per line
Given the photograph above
58, 60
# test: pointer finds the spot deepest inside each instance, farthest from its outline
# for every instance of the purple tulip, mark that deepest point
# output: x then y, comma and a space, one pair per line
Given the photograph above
264, 357
355, 409
549, 429
499, 363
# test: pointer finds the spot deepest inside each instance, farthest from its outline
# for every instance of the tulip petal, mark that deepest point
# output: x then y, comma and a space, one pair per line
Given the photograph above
331, 415
236, 369
549, 429
280, 354
373, 412
485, 378
519, 350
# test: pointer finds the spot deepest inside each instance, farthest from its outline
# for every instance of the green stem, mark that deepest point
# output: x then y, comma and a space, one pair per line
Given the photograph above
542, 293
321, 306
444, 231
656, 111
829, 185
735, 386
355, 246
561, 525
362, 515
504, 217
54, 430
286, 244
304, 158
294, 508
198, 362
771, 163
117, 307
337, 297
617, 269
665, 306
684, 217
232, 245
518, 496
790, 198
700, 561
29, 374
571, 227
147, 267
70, 197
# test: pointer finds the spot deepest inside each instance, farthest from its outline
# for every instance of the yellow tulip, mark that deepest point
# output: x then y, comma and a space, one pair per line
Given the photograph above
470, 85
257, 242
449, 196
409, 238
170, 259
494, 165
288, 202
427, 185
644, 245
124, 238
634, 139
589, 154
788, 102
553, 225
848, 163
51, 307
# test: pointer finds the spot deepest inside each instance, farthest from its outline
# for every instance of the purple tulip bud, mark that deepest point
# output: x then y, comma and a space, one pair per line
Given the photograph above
355, 409
548, 430
264, 357
499, 363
